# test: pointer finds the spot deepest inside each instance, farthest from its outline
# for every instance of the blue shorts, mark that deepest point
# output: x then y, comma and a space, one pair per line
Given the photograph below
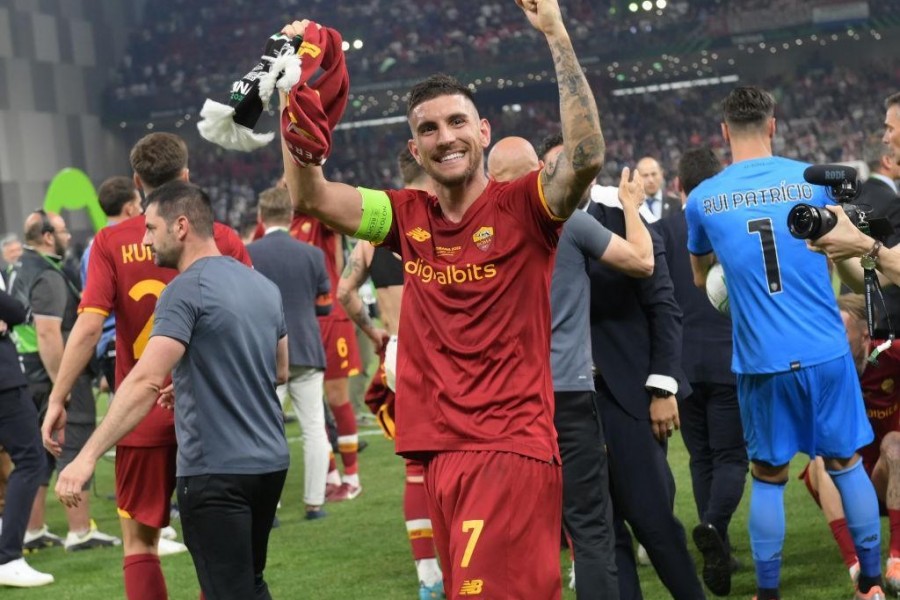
817, 410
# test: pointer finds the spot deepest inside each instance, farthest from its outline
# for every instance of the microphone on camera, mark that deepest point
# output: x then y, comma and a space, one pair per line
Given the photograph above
829, 175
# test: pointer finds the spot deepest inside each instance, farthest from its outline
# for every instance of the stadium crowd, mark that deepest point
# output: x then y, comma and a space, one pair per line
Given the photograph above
641, 181
169, 66
661, 125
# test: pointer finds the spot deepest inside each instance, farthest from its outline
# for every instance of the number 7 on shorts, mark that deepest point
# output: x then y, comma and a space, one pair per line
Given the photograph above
475, 526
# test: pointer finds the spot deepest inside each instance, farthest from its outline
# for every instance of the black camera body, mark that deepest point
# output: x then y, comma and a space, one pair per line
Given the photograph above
808, 222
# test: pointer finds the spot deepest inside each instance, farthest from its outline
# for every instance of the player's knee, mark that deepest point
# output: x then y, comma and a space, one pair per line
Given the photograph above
138, 538
890, 447
769, 473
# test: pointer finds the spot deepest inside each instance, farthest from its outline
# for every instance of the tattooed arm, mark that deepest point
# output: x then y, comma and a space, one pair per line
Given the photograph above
566, 181
354, 275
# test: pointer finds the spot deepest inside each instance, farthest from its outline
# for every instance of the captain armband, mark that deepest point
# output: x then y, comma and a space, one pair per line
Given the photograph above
377, 215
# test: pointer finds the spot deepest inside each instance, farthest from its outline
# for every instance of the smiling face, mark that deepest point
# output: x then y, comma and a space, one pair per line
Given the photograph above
449, 138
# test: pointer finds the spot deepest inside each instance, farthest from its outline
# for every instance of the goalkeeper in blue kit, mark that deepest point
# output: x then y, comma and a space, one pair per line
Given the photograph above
797, 384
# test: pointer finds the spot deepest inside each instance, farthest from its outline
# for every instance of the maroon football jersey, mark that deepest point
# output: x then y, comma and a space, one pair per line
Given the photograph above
473, 369
881, 392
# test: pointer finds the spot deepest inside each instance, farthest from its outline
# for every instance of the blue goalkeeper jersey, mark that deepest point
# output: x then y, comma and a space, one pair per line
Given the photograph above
782, 305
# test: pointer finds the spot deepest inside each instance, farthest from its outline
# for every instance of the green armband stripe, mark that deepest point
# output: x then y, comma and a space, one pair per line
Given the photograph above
376, 216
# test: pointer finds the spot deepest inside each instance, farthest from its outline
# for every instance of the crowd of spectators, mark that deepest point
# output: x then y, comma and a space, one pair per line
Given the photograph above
187, 51
812, 126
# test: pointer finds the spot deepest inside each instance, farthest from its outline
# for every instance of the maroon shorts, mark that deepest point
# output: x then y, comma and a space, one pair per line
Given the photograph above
341, 350
145, 480
496, 521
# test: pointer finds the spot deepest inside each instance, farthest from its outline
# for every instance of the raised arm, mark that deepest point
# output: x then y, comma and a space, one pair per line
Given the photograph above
632, 255
336, 204
583, 145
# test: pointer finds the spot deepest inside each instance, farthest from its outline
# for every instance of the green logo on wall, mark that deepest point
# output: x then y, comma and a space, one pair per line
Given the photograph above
71, 189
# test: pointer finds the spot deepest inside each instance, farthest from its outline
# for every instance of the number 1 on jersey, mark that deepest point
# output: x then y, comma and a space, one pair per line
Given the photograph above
763, 228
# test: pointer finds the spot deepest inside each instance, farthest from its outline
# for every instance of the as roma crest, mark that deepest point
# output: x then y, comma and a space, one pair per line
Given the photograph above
483, 238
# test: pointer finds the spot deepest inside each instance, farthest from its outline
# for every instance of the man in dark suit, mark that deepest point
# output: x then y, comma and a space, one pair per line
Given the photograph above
879, 191
636, 347
659, 204
710, 415
299, 271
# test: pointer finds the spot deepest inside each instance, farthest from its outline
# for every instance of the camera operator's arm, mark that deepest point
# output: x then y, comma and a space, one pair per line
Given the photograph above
850, 272
846, 242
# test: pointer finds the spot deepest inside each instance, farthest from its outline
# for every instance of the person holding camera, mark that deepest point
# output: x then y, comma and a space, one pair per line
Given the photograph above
846, 241
797, 384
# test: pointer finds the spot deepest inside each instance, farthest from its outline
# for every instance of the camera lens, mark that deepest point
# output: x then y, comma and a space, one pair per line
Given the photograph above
804, 222
808, 222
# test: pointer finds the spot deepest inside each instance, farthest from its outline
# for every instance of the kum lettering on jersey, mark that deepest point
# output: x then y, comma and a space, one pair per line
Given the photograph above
474, 341
136, 253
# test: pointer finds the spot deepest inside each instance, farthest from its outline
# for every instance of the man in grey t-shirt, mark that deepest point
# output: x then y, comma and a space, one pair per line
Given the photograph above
220, 329
587, 511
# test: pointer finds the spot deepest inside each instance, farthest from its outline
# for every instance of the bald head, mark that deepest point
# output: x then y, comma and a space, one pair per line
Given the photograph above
512, 157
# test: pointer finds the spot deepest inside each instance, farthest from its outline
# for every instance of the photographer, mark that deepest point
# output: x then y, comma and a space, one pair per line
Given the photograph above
846, 241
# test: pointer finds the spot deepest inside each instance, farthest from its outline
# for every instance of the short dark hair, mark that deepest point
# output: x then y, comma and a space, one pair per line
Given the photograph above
434, 87
748, 107
178, 198
695, 166
275, 206
548, 143
410, 169
892, 100
159, 158
115, 193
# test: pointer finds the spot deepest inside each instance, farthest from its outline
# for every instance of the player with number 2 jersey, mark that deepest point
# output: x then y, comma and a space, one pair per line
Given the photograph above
124, 279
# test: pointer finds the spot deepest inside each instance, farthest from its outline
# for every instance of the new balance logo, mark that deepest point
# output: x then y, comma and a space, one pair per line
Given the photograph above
471, 587
418, 234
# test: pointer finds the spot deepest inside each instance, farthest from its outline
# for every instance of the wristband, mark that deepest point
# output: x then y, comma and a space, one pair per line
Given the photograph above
377, 215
